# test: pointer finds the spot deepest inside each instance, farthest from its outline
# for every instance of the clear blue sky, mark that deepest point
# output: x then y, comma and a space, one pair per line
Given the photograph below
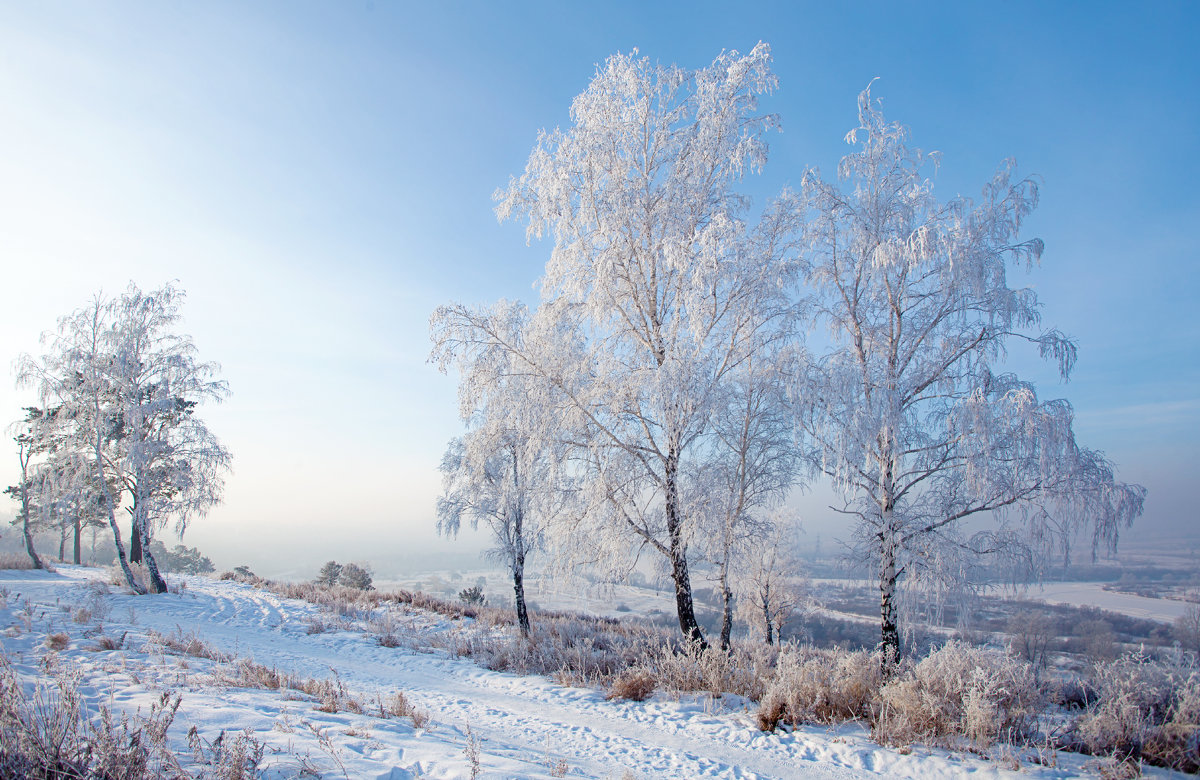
318, 176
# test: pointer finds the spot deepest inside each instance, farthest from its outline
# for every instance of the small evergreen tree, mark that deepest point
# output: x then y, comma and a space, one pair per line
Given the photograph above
329, 574
472, 596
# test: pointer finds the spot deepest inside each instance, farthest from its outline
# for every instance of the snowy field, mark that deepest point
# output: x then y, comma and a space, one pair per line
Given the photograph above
1093, 594
521, 727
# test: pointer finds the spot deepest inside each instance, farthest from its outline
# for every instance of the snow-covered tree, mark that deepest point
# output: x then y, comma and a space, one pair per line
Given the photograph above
751, 466
655, 286
127, 386
25, 491
769, 581
907, 414
330, 573
69, 496
171, 463
355, 576
505, 470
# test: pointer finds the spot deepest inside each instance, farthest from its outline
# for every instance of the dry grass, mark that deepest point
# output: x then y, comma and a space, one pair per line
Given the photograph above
633, 685
50, 734
107, 643
15, 561
180, 643
958, 696
57, 641
821, 686
960, 692
397, 705
1147, 710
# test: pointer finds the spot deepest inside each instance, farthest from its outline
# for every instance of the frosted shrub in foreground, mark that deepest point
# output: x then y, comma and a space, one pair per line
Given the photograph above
960, 691
821, 686
50, 733
1147, 710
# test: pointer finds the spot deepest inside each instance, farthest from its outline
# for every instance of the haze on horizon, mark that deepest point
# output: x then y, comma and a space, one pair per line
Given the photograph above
319, 178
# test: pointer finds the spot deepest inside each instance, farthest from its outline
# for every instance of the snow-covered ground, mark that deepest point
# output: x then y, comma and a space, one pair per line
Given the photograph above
1093, 594
524, 727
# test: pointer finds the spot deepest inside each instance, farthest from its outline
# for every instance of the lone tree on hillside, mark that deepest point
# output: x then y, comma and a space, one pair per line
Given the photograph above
655, 289
906, 413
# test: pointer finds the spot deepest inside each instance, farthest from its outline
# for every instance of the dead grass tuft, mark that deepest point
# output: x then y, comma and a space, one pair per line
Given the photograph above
107, 643
191, 644
633, 685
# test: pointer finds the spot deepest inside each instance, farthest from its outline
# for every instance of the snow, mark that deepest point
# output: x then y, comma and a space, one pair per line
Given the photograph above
526, 727
1093, 594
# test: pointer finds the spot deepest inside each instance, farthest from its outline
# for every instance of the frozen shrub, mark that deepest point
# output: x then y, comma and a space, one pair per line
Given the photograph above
1074, 693
1147, 709
179, 643
57, 641
141, 575
107, 643
15, 561
356, 577
821, 686
632, 684
957, 692
228, 757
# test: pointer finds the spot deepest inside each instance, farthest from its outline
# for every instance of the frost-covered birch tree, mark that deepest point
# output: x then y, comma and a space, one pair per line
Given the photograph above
769, 581
507, 469
910, 417
126, 386
752, 463
655, 285
170, 462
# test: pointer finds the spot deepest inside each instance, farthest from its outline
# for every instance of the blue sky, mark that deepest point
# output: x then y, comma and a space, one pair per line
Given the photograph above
318, 177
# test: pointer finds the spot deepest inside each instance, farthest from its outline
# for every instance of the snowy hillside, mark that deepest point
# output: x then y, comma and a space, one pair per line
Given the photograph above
468, 721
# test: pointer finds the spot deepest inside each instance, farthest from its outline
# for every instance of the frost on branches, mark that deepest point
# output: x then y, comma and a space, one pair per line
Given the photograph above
506, 470
123, 388
655, 292
905, 412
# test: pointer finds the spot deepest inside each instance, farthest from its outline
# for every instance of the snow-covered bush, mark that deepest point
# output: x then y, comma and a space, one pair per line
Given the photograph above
821, 686
15, 561
960, 691
355, 576
743, 670
1147, 709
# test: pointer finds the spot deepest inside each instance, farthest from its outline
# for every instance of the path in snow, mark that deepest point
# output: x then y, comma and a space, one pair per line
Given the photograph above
521, 723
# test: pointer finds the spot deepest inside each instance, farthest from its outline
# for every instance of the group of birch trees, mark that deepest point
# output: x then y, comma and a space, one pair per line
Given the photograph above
115, 431
662, 396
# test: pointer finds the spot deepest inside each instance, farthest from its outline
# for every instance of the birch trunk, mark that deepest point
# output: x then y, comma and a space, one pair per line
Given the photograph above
677, 551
